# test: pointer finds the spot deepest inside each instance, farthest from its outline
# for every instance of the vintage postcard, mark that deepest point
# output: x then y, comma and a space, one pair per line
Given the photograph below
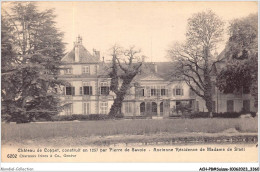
130, 82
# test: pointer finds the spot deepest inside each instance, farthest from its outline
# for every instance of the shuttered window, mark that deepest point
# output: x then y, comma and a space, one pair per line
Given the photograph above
87, 90
70, 90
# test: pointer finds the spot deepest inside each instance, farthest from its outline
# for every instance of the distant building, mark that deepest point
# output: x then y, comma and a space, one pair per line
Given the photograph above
151, 93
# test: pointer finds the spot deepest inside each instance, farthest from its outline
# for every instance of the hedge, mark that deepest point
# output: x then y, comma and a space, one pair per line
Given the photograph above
219, 115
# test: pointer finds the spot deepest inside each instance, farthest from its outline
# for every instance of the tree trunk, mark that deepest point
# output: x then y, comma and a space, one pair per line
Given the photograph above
208, 84
120, 95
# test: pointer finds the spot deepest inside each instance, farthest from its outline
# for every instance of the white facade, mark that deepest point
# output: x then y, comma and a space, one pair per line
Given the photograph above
88, 92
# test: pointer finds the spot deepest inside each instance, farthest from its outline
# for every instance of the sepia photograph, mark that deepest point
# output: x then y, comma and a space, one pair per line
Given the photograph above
129, 81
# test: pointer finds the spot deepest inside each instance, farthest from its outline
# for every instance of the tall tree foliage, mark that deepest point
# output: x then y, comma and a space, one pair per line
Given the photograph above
31, 51
193, 59
242, 54
122, 75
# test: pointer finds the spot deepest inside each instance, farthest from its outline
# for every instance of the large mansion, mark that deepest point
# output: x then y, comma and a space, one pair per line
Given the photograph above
154, 95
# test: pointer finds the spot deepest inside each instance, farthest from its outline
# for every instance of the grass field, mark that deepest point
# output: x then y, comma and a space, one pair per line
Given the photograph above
86, 129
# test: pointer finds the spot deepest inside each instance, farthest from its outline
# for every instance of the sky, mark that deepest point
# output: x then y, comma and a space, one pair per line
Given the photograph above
151, 26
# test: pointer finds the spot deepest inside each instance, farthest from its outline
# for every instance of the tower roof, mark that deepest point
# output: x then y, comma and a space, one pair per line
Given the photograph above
84, 55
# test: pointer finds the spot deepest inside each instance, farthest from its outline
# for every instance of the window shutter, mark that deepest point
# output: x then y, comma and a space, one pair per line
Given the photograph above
166, 92
63, 90
80, 90
73, 91
173, 92
90, 90
182, 93
107, 90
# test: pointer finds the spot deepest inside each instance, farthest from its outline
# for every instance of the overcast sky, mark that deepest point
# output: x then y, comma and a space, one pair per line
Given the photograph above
151, 26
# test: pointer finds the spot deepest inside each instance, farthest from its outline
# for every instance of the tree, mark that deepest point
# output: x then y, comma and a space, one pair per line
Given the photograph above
242, 54
193, 59
31, 51
122, 75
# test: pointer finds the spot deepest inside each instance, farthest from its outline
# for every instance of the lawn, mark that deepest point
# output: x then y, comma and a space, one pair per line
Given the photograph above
87, 129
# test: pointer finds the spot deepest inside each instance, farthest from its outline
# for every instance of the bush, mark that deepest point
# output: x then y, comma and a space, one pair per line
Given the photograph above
253, 114
227, 115
98, 117
216, 115
80, 117
199, 115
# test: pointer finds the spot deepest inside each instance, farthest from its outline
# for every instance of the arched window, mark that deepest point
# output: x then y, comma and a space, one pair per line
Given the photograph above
142, 108
161, 107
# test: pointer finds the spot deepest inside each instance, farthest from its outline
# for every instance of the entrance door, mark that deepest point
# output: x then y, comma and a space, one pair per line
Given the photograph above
154, 109
161, 109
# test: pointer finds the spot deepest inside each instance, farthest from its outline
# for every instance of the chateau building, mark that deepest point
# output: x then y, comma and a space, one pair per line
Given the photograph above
151, 92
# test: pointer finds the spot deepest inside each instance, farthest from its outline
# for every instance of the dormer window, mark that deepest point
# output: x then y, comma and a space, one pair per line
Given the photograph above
178, 91
85, 69
68, 71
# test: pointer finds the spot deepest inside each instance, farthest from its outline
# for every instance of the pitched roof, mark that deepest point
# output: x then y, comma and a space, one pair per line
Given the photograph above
147, 69
84, 56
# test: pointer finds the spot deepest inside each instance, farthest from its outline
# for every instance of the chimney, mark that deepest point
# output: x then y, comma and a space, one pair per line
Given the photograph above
155, 67
77, 44
96, 54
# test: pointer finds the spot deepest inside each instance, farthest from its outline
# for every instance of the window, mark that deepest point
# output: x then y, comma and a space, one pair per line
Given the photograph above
68, 71
85, 69
70, 90
141, 93
163, 92
246, 105
86, 108
104, 89
80, 90
230, 106
178, 92
142, 108
103, 107
161, 107
154, 107
87, 90
68, 109
128, 107
153, 92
